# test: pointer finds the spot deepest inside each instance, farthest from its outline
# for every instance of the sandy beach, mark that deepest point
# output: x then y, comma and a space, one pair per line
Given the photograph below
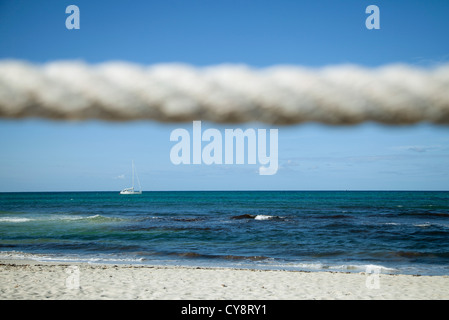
33, 280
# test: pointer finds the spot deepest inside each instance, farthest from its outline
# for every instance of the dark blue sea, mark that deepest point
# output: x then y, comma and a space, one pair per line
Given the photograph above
399, 232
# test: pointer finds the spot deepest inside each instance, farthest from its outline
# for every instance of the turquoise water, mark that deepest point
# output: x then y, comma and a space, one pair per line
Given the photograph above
402, 232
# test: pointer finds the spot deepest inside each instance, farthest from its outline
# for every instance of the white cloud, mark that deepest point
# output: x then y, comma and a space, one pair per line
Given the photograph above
418, 148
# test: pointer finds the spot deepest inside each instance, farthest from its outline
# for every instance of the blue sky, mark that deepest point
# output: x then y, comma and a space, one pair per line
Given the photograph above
39, 155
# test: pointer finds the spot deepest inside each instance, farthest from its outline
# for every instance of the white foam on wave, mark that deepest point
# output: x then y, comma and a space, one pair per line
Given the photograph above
263, 217
65, 217
18, 255
78, 218
325, 267
87, 259
81, 218
15, 220
94, 216
423, 225
368, 268
53, 218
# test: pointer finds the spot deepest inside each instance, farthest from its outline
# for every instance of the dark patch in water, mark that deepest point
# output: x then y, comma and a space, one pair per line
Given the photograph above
189, 254
187, 219
213, 256
331, 216
425, 214
244, 216
251, 258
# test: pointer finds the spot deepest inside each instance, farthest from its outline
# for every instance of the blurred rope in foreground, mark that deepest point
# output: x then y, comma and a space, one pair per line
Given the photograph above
118, 91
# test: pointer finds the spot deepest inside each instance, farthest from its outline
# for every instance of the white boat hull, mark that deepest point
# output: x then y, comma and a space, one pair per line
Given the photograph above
130, 192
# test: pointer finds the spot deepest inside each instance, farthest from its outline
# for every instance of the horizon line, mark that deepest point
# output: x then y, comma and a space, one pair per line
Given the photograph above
243, 190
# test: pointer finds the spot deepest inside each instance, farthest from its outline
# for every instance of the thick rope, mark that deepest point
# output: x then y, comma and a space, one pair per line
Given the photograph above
346, 94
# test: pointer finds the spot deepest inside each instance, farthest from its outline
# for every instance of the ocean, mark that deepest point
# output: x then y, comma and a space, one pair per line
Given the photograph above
398, 232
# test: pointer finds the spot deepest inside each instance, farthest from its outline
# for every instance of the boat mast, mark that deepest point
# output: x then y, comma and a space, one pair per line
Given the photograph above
138, 181
133, 173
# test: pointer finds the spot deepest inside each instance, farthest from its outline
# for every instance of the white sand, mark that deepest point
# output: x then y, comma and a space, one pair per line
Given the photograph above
26, 279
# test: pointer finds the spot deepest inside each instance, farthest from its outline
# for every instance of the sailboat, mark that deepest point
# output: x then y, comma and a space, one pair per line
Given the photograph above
131, 190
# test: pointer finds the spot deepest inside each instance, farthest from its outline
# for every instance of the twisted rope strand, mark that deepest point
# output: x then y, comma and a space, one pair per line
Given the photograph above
119, 91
